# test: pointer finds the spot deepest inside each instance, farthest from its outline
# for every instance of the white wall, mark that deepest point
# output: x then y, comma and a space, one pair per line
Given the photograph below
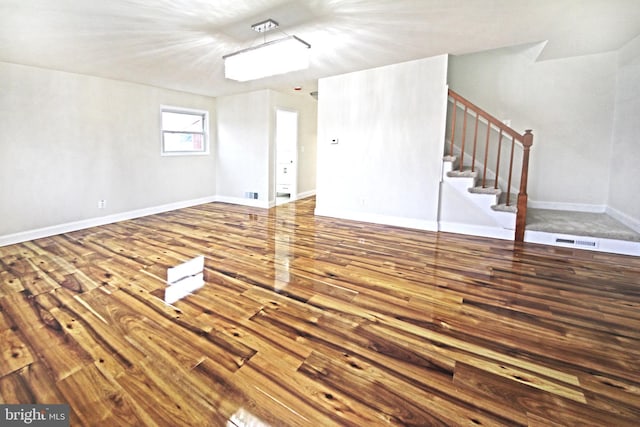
624, 202
68, 140
568, 103
243, 149
246, 144
390, 125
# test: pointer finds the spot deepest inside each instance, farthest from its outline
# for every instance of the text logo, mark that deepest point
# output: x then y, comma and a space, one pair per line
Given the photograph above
34, 415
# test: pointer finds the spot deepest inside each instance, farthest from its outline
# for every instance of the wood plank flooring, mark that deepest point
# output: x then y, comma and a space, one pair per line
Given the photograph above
308, 321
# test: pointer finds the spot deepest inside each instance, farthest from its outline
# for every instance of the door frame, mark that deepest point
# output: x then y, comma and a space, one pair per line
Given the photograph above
294, 184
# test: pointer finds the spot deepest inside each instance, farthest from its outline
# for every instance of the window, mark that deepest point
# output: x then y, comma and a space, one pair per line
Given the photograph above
184, 131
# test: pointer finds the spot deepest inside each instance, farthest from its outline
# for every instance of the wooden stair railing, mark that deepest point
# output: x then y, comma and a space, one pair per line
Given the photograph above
524, 141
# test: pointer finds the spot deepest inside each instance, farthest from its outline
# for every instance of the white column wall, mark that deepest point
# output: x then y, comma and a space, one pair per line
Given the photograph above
389, 123
243, 153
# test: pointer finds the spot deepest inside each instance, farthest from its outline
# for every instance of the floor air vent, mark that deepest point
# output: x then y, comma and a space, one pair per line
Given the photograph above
577, 242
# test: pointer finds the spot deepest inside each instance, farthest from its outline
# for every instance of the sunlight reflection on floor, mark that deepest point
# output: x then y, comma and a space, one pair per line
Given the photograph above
244, 418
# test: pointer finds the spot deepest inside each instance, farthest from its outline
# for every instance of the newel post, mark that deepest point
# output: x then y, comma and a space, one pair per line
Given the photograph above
521, 216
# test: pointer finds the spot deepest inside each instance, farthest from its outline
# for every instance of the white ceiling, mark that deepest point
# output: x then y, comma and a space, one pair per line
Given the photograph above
179, 44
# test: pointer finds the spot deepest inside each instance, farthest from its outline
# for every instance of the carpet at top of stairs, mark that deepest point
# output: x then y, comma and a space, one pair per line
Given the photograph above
575, 223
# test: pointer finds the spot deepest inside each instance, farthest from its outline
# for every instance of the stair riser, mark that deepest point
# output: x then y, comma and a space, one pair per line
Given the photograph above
485, 202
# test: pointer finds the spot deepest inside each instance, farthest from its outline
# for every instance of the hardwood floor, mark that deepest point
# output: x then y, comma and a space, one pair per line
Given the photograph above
306, 320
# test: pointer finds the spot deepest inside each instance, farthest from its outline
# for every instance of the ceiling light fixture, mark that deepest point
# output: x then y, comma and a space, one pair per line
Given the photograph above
269, 58
264, 26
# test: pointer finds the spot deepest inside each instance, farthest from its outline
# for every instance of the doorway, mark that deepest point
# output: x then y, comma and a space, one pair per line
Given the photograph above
286, 156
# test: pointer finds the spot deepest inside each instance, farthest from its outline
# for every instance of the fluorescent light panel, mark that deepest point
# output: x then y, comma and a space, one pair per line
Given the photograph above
269, 59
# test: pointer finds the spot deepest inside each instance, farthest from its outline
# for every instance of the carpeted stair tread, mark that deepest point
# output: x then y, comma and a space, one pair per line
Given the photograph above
502, 205
489, 188
466, 173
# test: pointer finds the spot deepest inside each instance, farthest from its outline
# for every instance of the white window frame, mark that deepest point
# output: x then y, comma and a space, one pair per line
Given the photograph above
205, 133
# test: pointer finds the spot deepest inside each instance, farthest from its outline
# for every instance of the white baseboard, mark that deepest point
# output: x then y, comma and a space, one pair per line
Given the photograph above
39, 233
303, 195
415, 223
558, 206
53, 230
255, 203
477, 230
630, 222
306, 194
622, 247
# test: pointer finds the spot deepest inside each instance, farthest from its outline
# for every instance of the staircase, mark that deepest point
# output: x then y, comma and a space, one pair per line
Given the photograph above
487, 162
490, 200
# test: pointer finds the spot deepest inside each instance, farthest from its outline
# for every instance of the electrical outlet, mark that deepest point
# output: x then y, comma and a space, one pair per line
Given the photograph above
334, 140
102, 204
